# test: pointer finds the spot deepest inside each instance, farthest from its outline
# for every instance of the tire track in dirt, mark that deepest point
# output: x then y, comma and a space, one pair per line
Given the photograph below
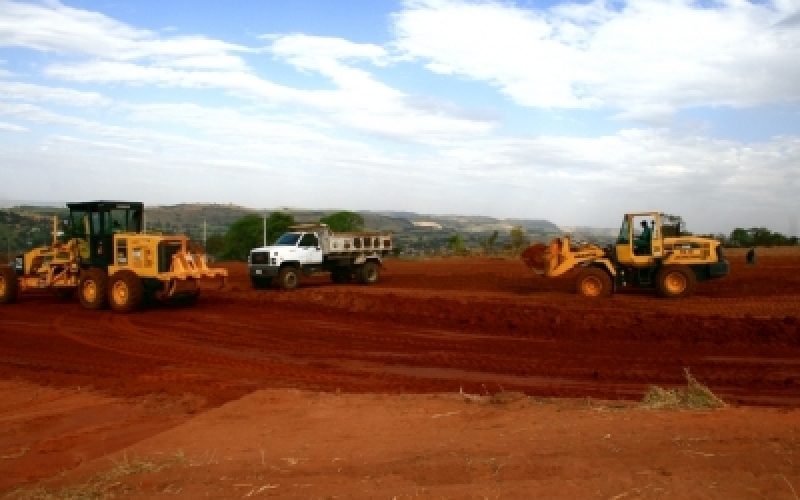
415, 336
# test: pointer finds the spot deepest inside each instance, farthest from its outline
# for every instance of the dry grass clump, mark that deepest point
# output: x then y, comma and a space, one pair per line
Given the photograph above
102, 485
506, 397
695, 396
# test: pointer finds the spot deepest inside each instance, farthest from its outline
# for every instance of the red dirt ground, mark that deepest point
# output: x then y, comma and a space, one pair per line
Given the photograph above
82, 385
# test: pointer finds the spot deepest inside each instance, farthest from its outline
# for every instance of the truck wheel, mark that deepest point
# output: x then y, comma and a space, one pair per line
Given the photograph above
675, 281
260, 282
341, 275
593, 283
370, 273
9, 285
93, 288
125, 293
289, 278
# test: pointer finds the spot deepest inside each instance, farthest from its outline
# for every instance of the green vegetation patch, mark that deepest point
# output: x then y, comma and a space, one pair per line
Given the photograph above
695, 396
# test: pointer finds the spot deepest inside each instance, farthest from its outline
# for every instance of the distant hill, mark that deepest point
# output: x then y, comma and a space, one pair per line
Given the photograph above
199, 219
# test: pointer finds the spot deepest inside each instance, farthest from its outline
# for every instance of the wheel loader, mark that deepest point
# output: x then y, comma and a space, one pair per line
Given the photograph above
109, 261
661, 258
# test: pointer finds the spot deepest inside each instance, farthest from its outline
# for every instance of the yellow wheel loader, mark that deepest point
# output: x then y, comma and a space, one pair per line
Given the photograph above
659, 257
108, 260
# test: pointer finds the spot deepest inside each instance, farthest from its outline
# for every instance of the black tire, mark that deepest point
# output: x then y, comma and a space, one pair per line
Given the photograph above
593, 283
65, 293
341, 275
289, 278
125, 291
9, 285
675, 281
186, 300
370, 273
261, 282
93, 288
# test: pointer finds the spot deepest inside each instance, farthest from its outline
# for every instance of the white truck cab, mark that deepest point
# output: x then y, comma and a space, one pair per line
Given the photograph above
311, 248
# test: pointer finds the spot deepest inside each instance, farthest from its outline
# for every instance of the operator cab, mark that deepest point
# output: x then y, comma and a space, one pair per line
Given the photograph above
640, 239
96, 222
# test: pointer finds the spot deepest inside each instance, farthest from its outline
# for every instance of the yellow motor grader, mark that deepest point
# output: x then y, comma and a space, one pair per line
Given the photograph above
660, 257
108, 260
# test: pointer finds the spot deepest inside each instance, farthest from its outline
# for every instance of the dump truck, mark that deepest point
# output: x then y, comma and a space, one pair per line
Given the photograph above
663, 258
311, 248
108, 260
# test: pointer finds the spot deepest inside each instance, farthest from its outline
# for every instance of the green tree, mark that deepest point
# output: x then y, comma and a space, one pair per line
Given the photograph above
488, 243
344, 222
519, 239
760, 236
248, 233
456, 244
277, 224
215, 245
242, 236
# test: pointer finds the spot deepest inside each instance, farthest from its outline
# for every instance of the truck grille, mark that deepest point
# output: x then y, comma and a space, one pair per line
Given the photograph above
259, 258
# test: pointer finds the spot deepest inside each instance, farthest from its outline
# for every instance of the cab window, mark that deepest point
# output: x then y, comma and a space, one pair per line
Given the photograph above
288, 239
624, 232
125, 220
78, 226
308, 240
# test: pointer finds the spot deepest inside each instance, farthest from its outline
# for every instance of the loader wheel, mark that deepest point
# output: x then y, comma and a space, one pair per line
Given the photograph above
593, 282
675, 281
341, 275
370, 273
289, 278
9, 285
125, 293
93, 288
260, 283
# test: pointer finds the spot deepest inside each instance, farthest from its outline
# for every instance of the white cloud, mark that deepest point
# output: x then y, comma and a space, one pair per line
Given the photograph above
645, 57
321, 142
54, 27
10, 127
31, 92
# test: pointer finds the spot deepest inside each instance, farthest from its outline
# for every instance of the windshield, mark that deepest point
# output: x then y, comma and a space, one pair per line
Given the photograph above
624, 232
288, 240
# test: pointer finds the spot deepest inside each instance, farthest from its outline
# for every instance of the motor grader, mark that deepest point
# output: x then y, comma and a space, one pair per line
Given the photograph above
662, 258
108, 260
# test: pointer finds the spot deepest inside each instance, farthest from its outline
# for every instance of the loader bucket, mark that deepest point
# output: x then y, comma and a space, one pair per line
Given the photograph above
536, 257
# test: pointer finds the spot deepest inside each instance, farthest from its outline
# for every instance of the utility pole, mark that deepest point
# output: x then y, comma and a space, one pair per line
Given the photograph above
265, 228
204, 233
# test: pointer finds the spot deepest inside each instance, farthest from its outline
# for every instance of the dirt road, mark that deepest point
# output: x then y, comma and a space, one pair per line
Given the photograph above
478, 324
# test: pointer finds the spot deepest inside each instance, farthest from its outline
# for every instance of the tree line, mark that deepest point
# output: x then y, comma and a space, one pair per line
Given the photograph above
252, 230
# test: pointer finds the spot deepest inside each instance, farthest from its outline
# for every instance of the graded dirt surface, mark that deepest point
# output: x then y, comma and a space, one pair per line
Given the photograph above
288, 382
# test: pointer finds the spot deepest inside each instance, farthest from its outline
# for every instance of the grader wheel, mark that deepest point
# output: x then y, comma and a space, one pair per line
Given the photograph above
675, 281
93, 288
593, 282
9, 285
125, 292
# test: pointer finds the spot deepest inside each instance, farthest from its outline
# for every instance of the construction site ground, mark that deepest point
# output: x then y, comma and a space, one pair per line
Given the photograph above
451, 378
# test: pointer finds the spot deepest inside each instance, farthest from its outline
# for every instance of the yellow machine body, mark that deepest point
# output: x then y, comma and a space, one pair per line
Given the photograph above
672, 263
117, 267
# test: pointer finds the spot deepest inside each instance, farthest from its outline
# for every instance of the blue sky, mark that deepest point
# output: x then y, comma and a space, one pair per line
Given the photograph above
574, 112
